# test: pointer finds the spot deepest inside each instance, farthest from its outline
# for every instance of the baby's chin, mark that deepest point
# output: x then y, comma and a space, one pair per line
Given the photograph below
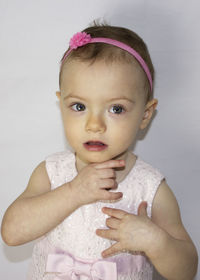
98, 157
93, 159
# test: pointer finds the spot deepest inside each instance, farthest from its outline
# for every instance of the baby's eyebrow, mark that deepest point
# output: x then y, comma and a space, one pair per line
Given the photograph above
74, 96
122, 98
112, 99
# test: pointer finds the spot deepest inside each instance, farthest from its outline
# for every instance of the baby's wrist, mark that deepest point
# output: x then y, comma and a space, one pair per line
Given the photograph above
76, 197
159, 242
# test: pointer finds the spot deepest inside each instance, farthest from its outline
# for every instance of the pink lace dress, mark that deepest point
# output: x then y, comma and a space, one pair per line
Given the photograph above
72, 250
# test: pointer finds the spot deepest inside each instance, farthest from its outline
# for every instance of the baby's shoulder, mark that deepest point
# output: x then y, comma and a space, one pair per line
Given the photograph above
59, 160
59, 156
38, 183
60, 167
166, 212
146, 173
53, 168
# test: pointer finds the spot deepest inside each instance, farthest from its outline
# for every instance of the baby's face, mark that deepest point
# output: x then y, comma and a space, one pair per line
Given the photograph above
102, 103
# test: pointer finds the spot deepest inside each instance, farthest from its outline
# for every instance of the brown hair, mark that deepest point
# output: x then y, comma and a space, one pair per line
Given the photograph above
109, 53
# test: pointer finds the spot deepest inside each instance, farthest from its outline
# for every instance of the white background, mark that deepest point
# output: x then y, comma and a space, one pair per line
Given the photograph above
33, 38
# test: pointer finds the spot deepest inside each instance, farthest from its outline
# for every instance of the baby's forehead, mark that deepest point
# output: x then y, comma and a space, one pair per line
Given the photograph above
114, 69
101, 79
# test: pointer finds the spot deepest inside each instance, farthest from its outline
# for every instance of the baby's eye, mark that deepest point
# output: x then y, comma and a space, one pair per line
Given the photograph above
78, 107
117, 109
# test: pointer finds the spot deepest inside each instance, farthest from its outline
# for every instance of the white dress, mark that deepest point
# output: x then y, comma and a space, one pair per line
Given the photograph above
76, 234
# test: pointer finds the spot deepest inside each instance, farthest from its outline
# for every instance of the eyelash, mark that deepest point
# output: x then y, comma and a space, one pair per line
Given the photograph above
115, 105
119, 106
71, 106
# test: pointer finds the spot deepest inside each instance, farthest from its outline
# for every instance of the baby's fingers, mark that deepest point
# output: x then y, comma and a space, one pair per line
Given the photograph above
111, 251
117, 213
108, 234
110, 164
107, 195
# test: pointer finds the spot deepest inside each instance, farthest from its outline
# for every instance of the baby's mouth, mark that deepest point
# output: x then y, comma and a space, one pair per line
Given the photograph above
95, 145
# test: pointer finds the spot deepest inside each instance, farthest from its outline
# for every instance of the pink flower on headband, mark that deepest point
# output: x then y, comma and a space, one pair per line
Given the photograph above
79, 39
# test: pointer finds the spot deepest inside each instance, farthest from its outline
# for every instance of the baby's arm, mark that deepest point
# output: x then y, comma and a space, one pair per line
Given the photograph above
39, 209
175, 257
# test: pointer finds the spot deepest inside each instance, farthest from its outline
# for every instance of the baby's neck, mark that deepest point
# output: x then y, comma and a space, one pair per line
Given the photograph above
121, 173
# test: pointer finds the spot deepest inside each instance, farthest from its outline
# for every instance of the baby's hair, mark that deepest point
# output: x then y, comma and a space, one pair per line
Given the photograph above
109, 53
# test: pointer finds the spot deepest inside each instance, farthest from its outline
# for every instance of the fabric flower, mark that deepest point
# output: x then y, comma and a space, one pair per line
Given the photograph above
79, 39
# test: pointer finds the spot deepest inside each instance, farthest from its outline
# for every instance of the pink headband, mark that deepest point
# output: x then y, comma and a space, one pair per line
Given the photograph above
82, 38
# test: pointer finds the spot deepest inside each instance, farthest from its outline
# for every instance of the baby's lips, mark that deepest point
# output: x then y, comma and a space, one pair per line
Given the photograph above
95, 142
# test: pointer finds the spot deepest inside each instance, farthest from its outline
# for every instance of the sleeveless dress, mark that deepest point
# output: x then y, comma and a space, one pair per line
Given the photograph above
72, 250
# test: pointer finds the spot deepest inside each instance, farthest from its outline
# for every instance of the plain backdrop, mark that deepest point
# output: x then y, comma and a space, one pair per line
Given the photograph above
33, 38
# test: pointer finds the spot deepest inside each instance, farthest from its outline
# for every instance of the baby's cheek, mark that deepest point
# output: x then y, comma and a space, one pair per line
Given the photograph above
71, 136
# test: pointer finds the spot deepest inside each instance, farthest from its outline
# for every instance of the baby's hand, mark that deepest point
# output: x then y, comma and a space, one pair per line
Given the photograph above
95, 180
132, 232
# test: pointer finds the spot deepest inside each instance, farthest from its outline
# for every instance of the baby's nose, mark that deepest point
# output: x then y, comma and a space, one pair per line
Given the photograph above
96, 123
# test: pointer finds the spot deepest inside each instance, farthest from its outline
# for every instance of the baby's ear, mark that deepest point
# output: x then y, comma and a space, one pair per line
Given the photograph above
148, 113
58, 94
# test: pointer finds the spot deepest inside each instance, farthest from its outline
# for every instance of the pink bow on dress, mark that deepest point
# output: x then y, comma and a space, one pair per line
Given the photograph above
66, 267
